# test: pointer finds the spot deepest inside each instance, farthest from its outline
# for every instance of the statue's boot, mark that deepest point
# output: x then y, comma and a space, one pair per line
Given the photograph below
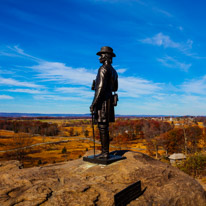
104, 137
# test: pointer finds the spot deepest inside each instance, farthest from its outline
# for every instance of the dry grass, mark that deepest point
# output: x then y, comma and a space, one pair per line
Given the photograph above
80, 130
50, 153
47, 153
6, 133
53, 152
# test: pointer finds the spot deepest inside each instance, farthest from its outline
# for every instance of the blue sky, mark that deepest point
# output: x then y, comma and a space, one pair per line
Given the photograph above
48, 55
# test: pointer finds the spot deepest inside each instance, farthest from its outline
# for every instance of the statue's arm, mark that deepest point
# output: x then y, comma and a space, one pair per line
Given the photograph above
100, 87
93, 85
115, 88
116, 85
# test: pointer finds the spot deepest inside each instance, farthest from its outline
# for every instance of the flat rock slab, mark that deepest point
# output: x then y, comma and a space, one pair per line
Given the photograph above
82, 183
96, 160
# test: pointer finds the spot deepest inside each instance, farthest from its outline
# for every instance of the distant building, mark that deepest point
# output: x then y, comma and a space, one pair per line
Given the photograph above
176, 157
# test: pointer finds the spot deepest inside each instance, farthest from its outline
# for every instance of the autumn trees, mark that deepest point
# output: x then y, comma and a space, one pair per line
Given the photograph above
125, 130
194, 165
172, 141
32, 127
194, 133
142, 129
158, 134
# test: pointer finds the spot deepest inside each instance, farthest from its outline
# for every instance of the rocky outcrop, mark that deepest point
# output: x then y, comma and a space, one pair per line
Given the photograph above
81, 183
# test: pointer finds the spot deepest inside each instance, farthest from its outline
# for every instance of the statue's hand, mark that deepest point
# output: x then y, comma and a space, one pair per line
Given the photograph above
92, 108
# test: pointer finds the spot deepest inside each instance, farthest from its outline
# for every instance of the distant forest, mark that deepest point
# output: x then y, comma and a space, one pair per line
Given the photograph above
32, 127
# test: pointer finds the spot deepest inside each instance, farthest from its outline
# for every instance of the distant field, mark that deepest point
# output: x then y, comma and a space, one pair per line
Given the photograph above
75, 136
45, 153
50, 153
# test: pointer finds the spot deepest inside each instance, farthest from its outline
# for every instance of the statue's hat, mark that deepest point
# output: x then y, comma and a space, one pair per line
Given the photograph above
106, 49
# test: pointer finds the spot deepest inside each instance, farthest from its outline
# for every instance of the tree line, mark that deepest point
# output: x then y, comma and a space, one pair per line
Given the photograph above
186, 138
32, 127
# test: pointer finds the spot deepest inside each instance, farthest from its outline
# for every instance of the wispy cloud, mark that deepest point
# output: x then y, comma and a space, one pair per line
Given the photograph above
76, 91
121, 71
165, 41
57, 98
161, 40
3, 53
29, 91
16, 51
174, 63
161, 11
20, 51
2, 71
6, 97
61, 73
195, 86
146, 4
13, 82
56, 71
134, 87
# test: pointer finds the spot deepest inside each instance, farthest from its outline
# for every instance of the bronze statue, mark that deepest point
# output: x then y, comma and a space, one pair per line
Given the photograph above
104, 100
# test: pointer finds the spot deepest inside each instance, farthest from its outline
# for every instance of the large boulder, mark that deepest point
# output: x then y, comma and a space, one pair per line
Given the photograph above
82, 183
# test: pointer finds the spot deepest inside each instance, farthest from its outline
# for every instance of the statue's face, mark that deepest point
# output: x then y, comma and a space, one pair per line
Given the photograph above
102, 58
105, 57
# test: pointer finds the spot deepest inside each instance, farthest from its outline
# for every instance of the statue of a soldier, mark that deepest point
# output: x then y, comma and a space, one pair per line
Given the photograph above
104, 100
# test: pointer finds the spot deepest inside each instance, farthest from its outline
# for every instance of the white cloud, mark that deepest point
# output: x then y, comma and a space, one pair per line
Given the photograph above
188, 99
60, 73
174, 63
195, 86
20, 51
6, 97
56, 71
13, 82
29, 91
134, 87
15, 51
163, 40
3, 53
121, 71
5, 71
192, 104
166, 13
76, 91
57, 98
174, 104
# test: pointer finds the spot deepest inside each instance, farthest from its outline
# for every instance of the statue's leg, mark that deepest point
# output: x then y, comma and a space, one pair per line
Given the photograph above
104, 137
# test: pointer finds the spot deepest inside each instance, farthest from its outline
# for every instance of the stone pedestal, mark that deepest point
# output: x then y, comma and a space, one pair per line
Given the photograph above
112, 158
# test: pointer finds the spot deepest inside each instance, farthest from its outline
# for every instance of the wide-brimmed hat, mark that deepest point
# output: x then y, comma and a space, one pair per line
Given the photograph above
106, 49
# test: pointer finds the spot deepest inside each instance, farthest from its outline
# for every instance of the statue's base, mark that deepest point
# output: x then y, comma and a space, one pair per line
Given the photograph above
96, 160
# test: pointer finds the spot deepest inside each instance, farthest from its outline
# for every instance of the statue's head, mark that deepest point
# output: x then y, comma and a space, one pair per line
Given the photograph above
106, 54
